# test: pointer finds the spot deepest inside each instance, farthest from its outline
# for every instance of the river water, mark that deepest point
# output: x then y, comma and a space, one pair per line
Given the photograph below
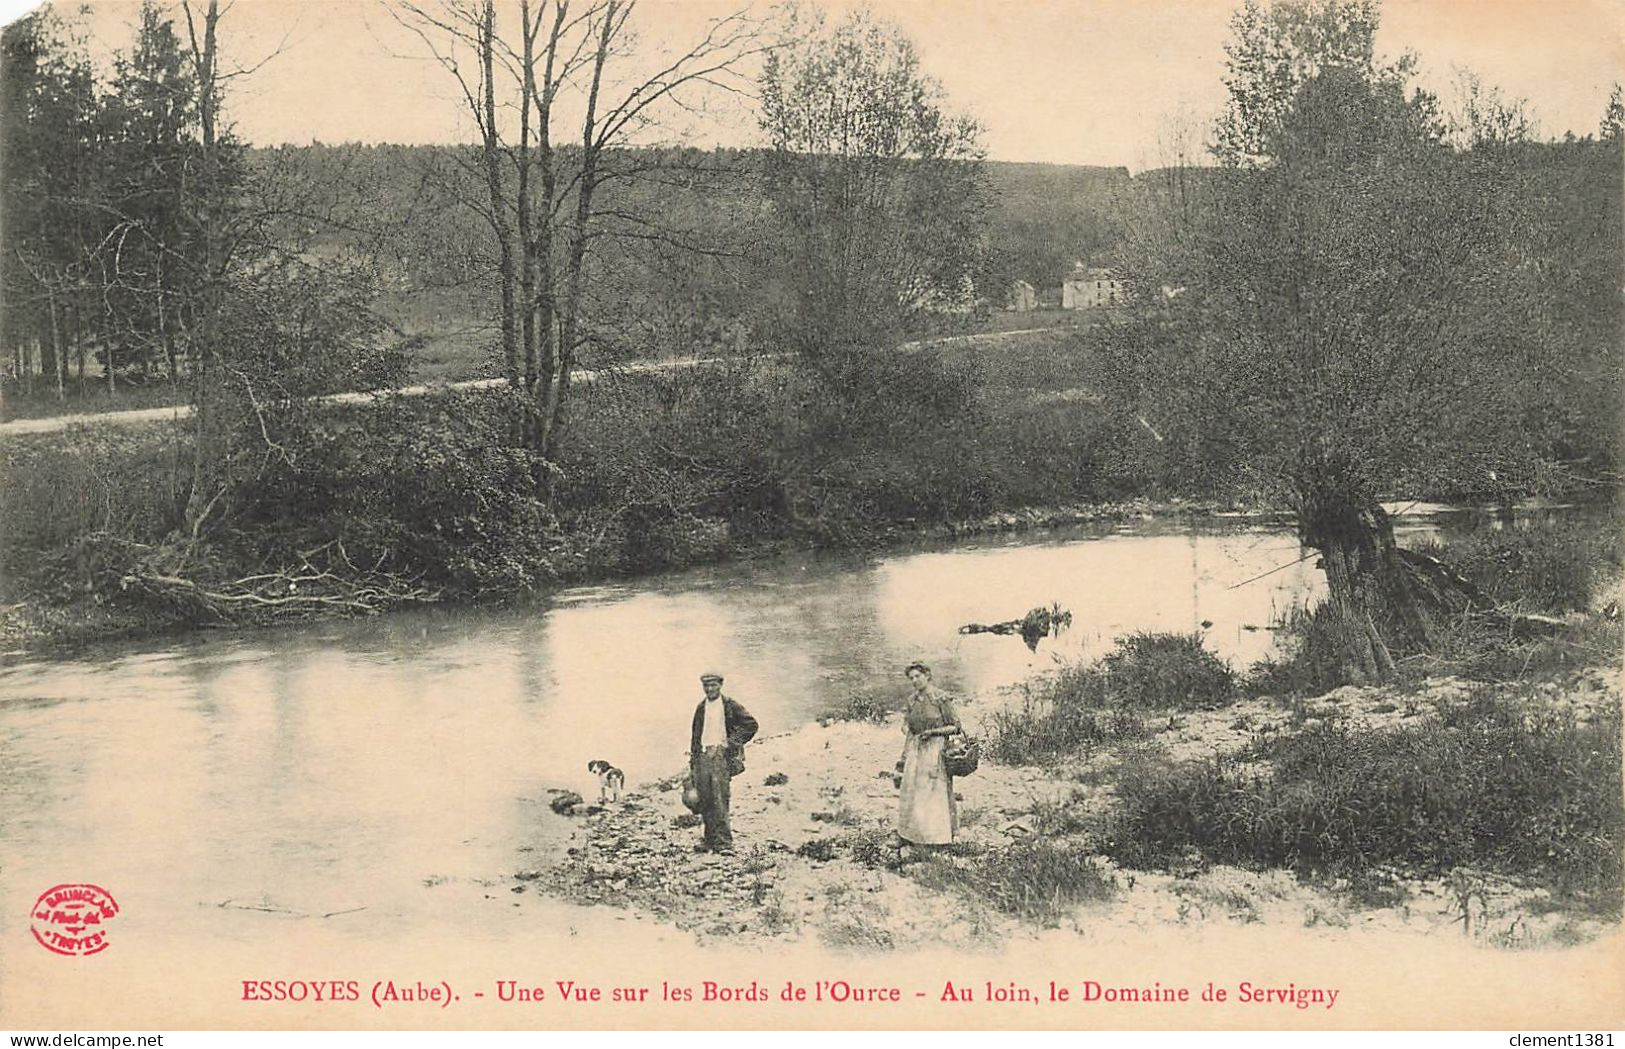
323, 770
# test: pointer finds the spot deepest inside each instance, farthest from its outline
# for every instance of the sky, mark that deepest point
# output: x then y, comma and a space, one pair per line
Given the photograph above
1056, 81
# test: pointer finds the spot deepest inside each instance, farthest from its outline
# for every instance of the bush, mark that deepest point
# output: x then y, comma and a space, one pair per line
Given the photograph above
874, 847
862, 706
870, 436
426, 486
1084, 705
1167, 670
1482, 783
819, 849
1062, 715
835, 449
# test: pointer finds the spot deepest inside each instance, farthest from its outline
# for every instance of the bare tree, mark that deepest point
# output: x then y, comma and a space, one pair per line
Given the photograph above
560, 97
206, 450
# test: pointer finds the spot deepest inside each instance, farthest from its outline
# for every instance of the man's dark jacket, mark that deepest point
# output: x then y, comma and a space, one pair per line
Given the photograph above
738, 724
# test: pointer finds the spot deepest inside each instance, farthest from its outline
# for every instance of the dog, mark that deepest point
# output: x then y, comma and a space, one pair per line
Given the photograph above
610, 779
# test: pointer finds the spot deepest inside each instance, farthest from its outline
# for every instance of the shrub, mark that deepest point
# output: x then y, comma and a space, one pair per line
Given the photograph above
874, 847
1167, 670
835, 448
869, 437
1084, 705
1481, 783
428, 486
819, 849
862, 706
1059, 716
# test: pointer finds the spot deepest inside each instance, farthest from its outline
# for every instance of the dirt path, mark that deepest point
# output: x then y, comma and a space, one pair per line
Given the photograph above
177, 413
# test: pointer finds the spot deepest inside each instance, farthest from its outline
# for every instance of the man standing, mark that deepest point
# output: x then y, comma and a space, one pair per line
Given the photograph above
717, 754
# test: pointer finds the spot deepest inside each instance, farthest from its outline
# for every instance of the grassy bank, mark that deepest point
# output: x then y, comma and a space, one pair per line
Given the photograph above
1493, 783
1514, 777
426, 498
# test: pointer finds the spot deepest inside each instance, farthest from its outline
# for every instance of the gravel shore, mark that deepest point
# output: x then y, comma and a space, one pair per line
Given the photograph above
816, 857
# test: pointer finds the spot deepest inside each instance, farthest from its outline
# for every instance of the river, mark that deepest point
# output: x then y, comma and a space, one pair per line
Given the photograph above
352, 767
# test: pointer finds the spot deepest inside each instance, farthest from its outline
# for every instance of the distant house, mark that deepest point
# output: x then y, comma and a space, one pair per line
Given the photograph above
1022, 297
1091, 287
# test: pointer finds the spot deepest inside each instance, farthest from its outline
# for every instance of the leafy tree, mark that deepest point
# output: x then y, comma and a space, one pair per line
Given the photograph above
1275, 49
1613, 118
52, 222
149, 115
1486, 117
1347, 329
875, 186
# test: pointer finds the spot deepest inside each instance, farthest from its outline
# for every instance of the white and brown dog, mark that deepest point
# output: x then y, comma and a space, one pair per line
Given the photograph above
610, 779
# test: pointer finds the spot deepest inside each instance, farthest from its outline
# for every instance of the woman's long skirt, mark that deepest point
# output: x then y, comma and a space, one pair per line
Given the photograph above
926, 812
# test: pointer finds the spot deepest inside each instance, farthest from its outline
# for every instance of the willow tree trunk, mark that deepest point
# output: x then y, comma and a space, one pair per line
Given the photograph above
1375, 602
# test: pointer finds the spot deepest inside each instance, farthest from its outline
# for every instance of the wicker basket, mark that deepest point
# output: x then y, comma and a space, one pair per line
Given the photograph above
961, 756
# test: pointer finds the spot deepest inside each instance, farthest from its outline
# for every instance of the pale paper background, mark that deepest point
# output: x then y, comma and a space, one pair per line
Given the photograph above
189, 975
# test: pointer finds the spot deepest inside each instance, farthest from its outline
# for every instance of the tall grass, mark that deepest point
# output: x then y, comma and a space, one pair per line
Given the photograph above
1040, 880
1483, 783
1551, 568
1470, 647
89, 479
1313, 663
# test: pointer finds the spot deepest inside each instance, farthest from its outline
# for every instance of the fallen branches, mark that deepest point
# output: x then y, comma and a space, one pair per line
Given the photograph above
283, 595
1033, 627
324, 581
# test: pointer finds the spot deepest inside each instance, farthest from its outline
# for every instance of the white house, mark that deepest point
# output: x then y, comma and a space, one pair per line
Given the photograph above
1091, 287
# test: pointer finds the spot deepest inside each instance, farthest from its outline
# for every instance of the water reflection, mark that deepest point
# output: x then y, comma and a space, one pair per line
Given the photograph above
315, 770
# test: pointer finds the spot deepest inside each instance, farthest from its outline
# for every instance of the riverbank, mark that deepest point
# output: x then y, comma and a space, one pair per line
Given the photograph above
34, 624
376, 503
816, 859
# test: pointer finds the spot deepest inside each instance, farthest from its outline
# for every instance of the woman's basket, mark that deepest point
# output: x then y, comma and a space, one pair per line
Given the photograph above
962, 755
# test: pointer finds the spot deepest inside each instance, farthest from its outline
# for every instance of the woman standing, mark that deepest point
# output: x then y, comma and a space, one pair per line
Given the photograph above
926, 812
